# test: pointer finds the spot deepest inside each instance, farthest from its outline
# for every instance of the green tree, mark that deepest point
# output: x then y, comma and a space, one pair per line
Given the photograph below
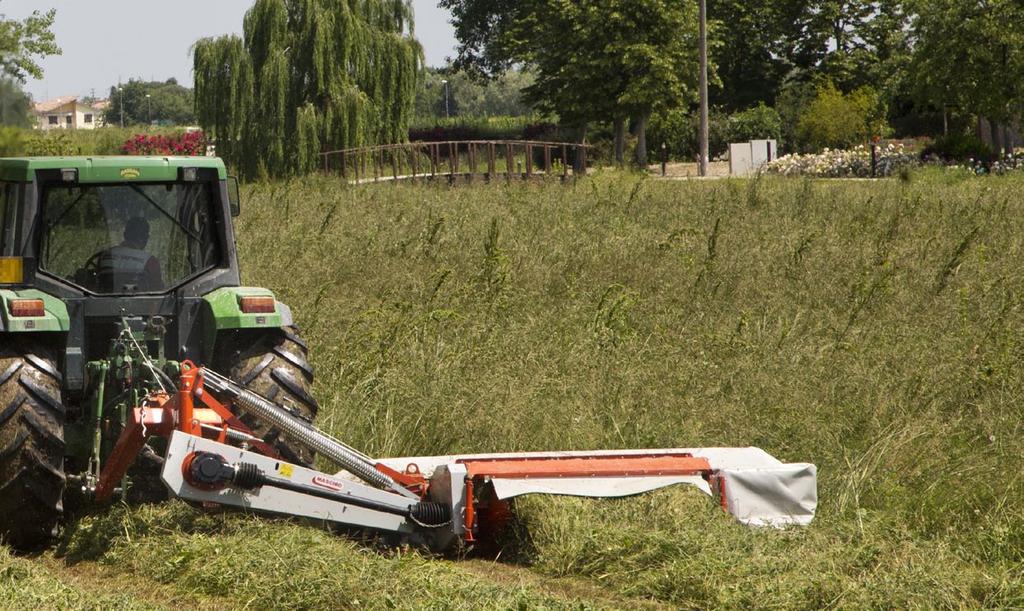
23, 43
593, 60
307, 75
970, 55
168, 102
837, 120
15, 105
750, 50
472, 97
758, 123
763, 44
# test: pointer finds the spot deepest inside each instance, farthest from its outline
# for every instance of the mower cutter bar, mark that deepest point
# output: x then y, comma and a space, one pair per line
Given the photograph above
436, 500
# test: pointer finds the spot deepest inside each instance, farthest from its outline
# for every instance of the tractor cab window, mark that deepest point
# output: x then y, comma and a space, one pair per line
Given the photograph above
128, 238
10, 206
5, 226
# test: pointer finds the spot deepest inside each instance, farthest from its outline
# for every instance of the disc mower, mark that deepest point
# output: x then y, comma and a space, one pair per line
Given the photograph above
129, 351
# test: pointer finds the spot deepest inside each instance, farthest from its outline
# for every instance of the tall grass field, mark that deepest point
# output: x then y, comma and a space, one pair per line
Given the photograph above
874, 328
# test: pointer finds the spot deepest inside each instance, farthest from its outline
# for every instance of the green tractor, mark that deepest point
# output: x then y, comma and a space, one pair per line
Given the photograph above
113, 270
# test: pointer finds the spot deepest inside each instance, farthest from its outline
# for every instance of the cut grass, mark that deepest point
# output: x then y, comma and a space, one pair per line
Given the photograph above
276, 564
29, 584
871, 328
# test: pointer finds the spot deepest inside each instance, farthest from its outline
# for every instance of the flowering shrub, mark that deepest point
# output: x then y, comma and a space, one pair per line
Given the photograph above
1010, 163
191, 144
852, 163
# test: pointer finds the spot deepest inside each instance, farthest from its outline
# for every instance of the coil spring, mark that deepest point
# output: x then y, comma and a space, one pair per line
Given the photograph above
313, 439
430, 514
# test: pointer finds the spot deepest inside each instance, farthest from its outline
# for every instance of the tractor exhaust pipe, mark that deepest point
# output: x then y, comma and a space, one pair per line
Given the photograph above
303, 432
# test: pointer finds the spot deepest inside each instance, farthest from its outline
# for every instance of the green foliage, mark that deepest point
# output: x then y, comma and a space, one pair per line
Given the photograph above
151, 102
471, 97
758, 123
598, 60
101, 141
12, 141
751, 56
793, 100
837, 120
675, 129
960, 148
971, 55
678, 130
487, 128
15, 105
57, 143
23, 43
306, 74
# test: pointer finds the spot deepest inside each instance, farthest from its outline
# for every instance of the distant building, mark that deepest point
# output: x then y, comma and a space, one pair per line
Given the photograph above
69, 112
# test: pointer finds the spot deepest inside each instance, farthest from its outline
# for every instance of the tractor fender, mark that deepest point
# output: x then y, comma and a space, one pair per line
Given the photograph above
223, 310
55, 318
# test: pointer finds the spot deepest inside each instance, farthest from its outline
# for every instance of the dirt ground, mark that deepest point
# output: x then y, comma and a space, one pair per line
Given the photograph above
679, 169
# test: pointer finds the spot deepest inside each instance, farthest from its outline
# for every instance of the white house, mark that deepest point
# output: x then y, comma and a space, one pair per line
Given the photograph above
69, 112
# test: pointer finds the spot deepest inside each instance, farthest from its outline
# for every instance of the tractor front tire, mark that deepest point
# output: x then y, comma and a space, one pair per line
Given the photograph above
273, 363
31, 444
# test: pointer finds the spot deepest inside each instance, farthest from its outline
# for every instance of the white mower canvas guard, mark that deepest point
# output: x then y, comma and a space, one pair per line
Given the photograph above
759, 489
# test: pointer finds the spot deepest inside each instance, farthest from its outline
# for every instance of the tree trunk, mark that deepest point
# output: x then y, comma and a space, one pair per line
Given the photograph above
641, 141
997, 137
981, 131
620, 140
579, 162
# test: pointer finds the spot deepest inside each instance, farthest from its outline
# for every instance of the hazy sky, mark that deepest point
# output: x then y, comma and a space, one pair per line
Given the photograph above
107, 40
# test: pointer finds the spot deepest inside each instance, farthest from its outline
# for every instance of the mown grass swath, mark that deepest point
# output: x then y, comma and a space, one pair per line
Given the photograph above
872, 328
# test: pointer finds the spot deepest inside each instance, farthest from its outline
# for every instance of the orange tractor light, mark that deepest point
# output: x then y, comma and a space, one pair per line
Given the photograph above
25, 308
258, 304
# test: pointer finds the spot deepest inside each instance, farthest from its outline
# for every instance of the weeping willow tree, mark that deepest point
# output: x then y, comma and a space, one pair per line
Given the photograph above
307, 75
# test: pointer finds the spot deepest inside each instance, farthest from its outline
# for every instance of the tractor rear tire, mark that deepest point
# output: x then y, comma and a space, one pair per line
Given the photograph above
31, 444
275, 364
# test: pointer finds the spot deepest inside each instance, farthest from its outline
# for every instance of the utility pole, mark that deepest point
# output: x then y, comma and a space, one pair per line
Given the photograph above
149, 110
120, 94
702, 165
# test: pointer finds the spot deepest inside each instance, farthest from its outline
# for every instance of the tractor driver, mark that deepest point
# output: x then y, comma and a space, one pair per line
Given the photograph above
129, 265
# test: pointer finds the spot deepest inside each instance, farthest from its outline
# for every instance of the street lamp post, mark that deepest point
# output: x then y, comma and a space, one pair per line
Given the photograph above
445, 83
702, 166
120, 92
149, 111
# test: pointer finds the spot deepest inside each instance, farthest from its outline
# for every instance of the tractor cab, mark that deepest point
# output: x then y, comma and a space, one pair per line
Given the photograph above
126, 239
113, 272
105, 239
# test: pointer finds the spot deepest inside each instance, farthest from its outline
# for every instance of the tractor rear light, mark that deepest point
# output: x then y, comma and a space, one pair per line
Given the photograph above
69, 175
12, 270
262, 304
24, 308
